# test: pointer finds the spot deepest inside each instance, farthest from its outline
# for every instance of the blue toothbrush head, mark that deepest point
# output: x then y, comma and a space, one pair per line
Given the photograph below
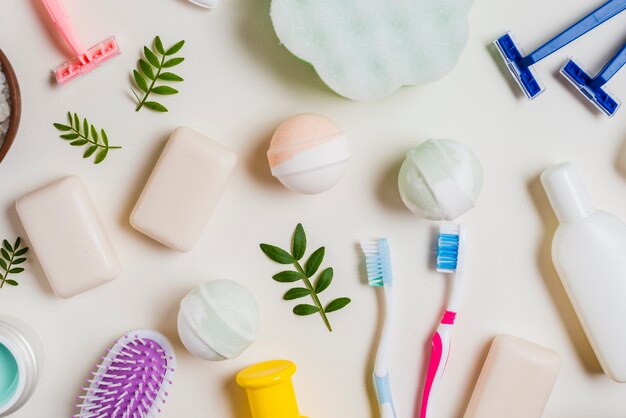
377, 262
448, 248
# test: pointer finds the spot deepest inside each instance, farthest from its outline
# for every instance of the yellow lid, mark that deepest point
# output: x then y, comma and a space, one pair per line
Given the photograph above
266, 374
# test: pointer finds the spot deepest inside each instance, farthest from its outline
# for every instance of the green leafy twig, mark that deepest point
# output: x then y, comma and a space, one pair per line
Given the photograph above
150, 70
85, 136
304, 274
11, 256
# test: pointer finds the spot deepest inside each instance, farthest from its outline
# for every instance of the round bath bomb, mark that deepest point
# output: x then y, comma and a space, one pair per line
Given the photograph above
308, 153
440, 179
218, 320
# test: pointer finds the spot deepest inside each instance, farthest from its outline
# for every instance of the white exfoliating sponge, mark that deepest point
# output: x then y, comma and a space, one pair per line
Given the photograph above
367, 49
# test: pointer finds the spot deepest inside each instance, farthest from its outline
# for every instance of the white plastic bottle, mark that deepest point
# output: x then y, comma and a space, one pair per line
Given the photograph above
589, 253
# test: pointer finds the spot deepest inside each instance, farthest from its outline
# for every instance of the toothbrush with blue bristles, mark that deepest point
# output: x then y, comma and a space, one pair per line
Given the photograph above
450, 254
378, 264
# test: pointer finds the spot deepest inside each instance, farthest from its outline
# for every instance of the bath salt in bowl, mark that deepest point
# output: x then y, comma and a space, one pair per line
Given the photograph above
10, 105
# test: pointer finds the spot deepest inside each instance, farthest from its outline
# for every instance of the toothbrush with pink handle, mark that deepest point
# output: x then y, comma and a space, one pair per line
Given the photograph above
450, 253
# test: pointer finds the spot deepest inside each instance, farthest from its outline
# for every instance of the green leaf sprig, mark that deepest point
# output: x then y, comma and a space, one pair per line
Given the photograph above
151, 69
10, 257
87, 135
304, 274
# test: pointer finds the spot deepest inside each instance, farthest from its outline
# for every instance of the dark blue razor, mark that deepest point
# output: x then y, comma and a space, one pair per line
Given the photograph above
521, 66
593, 87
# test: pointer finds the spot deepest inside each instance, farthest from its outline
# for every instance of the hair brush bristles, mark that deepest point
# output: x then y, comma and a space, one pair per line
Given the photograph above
132, 379
377, 262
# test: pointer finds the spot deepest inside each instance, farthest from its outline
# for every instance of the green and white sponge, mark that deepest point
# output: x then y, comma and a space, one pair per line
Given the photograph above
367, 49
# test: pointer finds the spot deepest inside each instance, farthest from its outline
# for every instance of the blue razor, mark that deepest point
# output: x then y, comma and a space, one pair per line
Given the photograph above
593, 87
521, 67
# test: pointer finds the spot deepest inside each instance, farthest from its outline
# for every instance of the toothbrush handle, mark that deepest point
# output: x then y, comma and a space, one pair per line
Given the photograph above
383, 393
63, 23
438, 359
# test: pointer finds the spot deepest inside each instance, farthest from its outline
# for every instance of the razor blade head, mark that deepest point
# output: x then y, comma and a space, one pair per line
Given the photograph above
93, 58
512, 55
600, 97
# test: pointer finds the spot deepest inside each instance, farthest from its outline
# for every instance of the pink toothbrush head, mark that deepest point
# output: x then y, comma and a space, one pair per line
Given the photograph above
85, 59
132, 380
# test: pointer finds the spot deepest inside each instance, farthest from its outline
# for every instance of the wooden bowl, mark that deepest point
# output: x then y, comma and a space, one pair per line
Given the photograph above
15, 102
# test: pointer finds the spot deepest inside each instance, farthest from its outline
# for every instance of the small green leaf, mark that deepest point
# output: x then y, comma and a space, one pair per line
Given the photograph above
5, 254
298, 243
155, 106
69, 118
101, 156
94, 134
90, 151
140, 81
304, 310
85, 128
159, 45
170, 77
337, 304
314, 261
175, 48
146, 69
62, 127
3, 264
164, 90
7, 246
296, 293
11, 282
18, 241
151, 57
324, 280
16, 270
79, 143
70, 136
172, 62
19, 260
76, 122
105, 138
22, 251
287, 276
277, 254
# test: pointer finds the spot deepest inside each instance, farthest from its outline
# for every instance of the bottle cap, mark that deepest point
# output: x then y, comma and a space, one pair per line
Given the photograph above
566, 192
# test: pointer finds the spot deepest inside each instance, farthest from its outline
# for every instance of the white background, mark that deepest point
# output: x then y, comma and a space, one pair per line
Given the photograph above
239, 84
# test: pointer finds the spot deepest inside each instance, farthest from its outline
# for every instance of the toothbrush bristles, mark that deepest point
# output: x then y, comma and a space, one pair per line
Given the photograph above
448, 248
377, 262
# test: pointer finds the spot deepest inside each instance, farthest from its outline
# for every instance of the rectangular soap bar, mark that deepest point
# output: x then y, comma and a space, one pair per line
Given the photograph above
68, 236
183, 190
516, 380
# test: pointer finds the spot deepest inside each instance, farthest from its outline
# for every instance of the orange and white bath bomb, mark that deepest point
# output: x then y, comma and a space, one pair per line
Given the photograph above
308, 153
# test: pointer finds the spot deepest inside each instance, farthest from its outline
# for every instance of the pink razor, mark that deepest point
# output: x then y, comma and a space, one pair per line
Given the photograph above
450, 256
85, 60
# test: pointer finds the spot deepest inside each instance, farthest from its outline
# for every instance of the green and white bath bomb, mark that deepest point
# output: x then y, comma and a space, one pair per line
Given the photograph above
218, 320
440, 179
367, 49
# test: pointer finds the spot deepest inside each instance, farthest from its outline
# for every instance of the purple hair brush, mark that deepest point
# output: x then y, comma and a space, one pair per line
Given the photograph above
132, 380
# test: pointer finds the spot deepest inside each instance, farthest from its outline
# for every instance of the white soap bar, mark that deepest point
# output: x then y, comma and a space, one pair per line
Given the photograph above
68, 236
516, 380
183, 190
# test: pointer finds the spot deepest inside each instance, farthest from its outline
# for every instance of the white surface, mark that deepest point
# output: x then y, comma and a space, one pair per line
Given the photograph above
239, 85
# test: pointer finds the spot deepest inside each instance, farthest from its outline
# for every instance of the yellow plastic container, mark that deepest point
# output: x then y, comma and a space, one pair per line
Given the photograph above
270, 389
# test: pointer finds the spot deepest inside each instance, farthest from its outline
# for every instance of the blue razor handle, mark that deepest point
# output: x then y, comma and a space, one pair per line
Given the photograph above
593, 87
520, 66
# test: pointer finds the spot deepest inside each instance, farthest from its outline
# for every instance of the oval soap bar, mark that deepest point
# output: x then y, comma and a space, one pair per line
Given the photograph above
218, 320
440, 179
308, 153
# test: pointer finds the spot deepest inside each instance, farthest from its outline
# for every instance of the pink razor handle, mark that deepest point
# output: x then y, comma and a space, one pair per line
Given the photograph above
85, 60
438, 360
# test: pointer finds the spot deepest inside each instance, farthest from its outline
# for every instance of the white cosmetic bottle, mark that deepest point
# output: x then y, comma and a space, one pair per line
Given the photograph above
589, 253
